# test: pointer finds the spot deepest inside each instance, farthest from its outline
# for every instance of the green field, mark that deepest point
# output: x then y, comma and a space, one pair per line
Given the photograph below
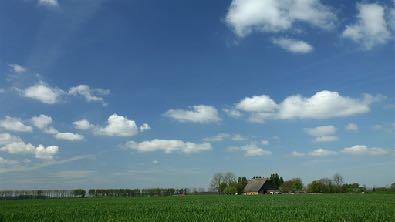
325, 207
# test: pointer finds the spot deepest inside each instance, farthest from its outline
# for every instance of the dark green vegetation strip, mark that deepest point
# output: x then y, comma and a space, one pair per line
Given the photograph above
324, 207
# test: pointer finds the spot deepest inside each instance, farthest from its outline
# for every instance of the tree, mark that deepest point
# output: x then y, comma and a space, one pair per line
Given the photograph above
276, 180
292, 185
229, 178
222, 187
338, 180
231, 189
241, 183
392, 188
216, 181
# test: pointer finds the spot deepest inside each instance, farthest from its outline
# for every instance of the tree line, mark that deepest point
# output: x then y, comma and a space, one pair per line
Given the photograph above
43, 194
228, 183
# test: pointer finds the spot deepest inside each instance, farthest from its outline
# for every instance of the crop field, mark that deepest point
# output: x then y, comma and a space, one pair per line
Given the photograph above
319, 207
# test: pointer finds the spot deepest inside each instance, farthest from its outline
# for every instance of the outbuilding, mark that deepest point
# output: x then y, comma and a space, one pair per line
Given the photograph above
259, 186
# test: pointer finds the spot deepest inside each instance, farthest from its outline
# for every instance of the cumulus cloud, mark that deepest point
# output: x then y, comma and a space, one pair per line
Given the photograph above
224, 136
246, 16
48, 3
14, 124
6, 138
118, 126
322, 105
250, 150
352, 127
321, 153
43, 93
234, 113
17, 68
69, 136
196, 114
83, 124
144, 127
40, 152
90, 95
43, 122
365, 150
322, 133
168, 146
254, 150
294, 46
371, 28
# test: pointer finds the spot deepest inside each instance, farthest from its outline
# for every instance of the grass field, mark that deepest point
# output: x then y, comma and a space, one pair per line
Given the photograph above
325, 207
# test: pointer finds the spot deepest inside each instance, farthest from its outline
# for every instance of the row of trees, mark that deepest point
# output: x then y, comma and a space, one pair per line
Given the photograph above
30, 194
135, 192
226, 183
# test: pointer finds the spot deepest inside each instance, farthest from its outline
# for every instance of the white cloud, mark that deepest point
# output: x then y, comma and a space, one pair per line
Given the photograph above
321, 153
237, 137
217, 138
224, 136
262, 104
69, 136
298, 154
234, 113
40, 152
352, 127
90, 95
144, 127
364, 150
250, 150
322, 133
265, 142
83, 124
118, 126
371, 28
42, 121
323, 105
46, 153
43, 93
246, 16
14, 124
292, 45
196, 114
155, 162
6, 138
168, 146
17, 68
48, 3
254, 150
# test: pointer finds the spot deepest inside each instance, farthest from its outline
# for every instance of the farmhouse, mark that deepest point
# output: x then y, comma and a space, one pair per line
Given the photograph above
259, 186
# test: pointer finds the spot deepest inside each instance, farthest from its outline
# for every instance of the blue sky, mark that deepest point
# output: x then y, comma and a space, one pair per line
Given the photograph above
149, 93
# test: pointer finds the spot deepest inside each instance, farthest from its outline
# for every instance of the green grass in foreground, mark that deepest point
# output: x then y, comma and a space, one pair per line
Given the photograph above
325, 207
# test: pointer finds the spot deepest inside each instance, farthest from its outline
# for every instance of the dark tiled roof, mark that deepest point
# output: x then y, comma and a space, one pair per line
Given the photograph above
254, 185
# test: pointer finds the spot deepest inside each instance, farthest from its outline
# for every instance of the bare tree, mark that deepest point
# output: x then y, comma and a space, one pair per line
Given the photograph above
229, 178
216, 181
338, 180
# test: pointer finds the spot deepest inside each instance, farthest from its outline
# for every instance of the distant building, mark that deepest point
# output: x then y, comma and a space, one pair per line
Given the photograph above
259, 186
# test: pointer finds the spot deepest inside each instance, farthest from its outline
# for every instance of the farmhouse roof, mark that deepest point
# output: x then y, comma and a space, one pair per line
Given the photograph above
254, 185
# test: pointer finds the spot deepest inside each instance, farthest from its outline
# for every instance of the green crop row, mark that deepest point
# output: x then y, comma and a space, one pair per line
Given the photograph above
303, 207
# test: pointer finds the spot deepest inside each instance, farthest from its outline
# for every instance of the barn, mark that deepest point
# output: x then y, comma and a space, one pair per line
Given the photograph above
259, 186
